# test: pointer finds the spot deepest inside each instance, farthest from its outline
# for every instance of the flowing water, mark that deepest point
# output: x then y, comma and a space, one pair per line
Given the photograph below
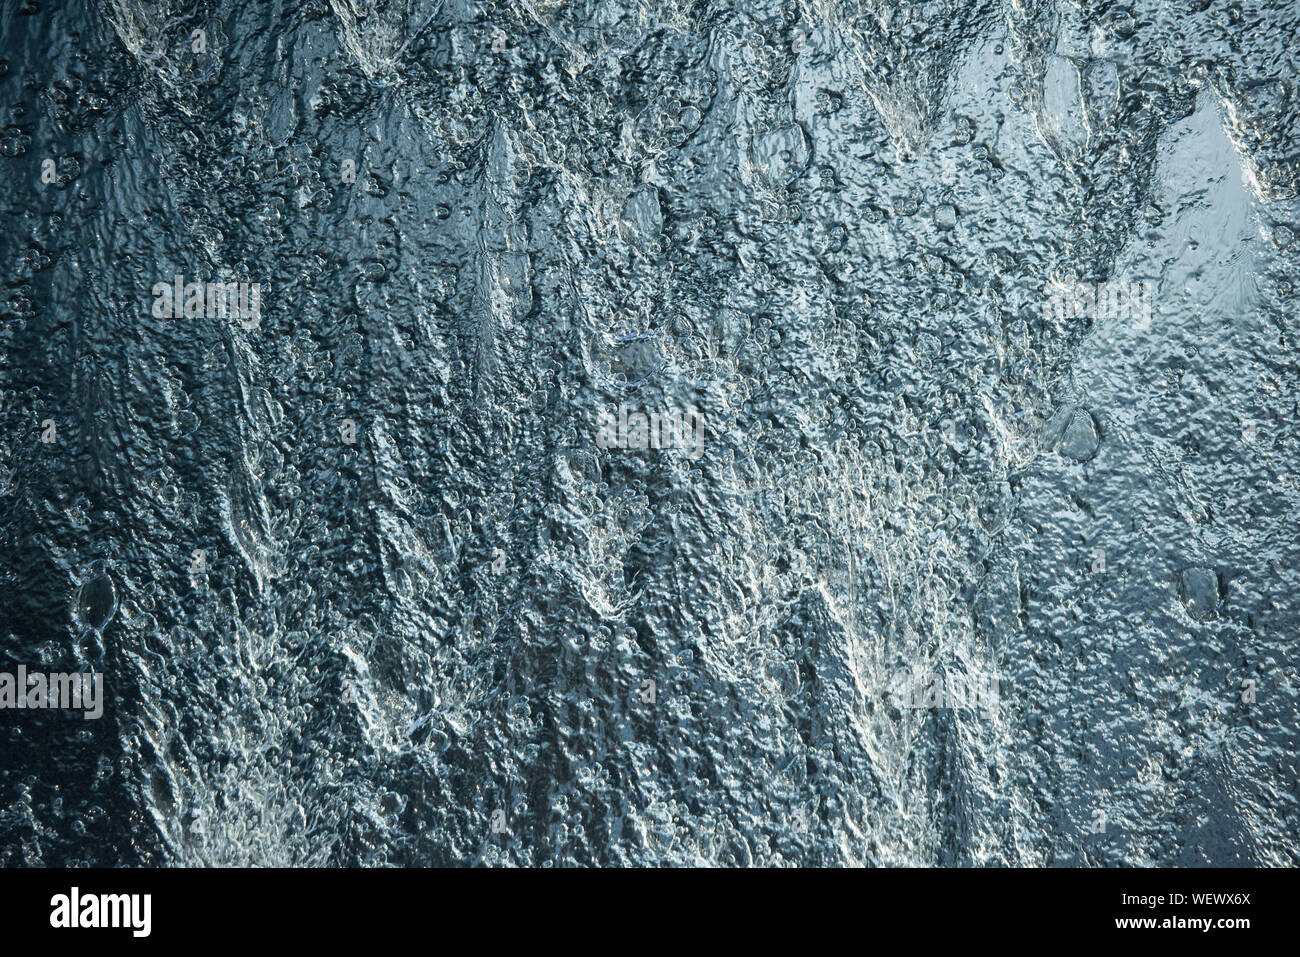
376, 569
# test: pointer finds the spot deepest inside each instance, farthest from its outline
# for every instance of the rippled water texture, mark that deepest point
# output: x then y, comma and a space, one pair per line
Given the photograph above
365, 582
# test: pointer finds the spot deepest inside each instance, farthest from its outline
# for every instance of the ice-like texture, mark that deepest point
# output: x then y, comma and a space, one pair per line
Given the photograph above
367, 585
